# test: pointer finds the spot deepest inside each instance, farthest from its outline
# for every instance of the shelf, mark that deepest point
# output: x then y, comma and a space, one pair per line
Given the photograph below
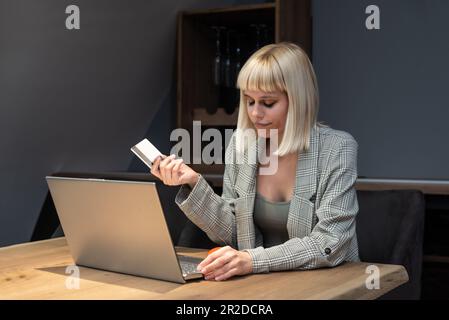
436, 259
240, 8
220, 118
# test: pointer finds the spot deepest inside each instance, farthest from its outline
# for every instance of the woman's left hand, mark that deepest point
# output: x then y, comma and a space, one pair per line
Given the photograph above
226, 263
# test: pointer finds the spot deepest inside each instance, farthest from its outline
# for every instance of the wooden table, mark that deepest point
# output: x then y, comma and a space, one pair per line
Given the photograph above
37, 270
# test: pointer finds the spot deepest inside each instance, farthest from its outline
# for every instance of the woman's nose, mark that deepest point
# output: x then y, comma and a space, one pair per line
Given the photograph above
257, 111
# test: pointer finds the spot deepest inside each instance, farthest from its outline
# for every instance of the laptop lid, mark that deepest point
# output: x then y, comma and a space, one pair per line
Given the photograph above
116, 225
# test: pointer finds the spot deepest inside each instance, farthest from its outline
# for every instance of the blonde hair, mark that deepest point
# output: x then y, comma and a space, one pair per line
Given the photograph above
282, 67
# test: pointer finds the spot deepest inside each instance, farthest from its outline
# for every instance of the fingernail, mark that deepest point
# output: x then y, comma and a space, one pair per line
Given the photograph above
199, 268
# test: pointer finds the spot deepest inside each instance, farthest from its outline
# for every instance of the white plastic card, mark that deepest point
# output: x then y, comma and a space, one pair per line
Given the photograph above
146, 152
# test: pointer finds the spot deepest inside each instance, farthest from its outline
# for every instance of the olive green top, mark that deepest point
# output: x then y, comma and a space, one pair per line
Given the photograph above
271, 219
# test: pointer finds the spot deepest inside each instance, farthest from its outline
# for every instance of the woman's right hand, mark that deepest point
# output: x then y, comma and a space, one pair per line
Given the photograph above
174, 172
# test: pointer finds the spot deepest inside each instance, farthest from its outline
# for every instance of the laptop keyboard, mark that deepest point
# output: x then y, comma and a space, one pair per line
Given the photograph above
188, 264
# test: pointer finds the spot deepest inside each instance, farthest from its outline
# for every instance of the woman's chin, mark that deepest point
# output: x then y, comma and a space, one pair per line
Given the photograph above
266, 133
263, 133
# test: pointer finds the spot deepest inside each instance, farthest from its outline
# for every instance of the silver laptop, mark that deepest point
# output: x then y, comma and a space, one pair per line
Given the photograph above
119, 226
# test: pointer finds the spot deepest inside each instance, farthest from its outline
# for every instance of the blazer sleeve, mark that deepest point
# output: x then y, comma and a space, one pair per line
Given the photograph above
330, 239
210, 212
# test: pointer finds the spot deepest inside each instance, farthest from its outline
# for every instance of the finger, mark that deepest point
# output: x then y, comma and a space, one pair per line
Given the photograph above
214, 254
169, 169
222, 270
212, 257
155, 168
166, 160
231, 273
179, 163
204, 263
163, 166
160, 157
170, 175
209, 276
216, 264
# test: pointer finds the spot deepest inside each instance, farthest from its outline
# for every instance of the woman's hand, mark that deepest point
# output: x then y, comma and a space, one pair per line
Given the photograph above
174, 172
226, 263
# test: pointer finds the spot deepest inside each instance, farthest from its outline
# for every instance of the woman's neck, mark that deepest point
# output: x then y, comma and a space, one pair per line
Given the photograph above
269, 153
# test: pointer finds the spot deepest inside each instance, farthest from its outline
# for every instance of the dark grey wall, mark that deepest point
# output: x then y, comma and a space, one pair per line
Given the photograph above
76, 100
389, 87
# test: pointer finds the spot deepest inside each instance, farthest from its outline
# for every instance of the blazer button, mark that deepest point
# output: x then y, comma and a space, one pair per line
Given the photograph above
327, 251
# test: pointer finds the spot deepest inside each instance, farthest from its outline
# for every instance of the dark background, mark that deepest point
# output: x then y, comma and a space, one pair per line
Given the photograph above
387, 87
76, 100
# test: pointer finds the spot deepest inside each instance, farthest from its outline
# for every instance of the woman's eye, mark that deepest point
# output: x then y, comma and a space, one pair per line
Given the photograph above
268, 105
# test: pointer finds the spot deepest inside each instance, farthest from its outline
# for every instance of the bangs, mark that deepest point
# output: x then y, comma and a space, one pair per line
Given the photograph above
261, 74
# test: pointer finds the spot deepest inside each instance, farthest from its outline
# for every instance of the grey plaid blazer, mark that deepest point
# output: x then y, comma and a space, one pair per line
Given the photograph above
321, 221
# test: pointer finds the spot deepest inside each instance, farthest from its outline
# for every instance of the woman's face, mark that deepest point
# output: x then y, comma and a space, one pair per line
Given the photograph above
267, 110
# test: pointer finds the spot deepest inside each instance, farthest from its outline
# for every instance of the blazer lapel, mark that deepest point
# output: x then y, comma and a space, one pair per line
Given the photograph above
244, 206
302, 207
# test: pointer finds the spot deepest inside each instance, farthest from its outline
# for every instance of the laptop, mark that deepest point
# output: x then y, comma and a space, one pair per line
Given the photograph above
119, 226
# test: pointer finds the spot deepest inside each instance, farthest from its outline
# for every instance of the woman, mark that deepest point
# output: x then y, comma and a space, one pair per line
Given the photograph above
300, 215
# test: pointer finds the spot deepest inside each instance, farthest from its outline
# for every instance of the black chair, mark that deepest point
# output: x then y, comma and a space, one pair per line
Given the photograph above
390, 229
193, 237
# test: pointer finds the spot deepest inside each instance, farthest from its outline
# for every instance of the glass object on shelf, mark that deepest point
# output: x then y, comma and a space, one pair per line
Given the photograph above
217, 72
236, 66
261, 35
218, 64
227, 72
257, 39
264, 31
228, 83
237, 61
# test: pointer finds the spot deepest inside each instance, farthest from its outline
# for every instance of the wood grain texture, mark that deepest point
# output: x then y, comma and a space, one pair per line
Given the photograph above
37, 271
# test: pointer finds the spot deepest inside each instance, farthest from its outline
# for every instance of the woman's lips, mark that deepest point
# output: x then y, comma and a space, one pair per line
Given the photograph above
262, 125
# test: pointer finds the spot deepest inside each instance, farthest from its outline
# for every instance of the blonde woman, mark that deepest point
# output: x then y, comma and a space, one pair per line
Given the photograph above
302, 215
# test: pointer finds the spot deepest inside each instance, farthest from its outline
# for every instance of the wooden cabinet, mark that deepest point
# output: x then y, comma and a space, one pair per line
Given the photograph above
199, 98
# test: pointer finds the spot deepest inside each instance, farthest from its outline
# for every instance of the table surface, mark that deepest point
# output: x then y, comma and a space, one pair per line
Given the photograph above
37, 270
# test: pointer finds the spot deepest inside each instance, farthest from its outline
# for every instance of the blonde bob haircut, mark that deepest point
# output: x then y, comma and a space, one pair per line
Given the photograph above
282, 67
